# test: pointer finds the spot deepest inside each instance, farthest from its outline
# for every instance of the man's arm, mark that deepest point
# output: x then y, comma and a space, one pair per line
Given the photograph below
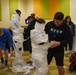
3, 46
66, 36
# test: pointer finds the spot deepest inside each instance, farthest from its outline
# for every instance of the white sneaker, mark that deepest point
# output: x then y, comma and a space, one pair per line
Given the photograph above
1, 64
6, 67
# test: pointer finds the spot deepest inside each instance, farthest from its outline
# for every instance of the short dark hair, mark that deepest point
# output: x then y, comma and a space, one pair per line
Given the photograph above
18, 11
33, 14
29, 17
40, 20
59, 16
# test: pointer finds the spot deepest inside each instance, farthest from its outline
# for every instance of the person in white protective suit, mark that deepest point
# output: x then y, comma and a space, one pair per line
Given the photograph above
40, 44
18, 63
17, 33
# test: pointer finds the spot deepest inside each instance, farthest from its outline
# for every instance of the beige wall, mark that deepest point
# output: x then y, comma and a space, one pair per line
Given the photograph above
5, 14
73, 10
26, 7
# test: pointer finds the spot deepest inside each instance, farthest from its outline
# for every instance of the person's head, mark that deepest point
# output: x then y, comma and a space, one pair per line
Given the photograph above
1, 32
58, 18
33, 14
40, 20
18, 12
40, 24
29, 19
67, 19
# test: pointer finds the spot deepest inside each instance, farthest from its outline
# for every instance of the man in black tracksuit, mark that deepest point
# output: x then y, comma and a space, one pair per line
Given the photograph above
60, 34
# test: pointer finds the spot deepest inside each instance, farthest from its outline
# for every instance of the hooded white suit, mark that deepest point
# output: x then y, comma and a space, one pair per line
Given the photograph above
40, 45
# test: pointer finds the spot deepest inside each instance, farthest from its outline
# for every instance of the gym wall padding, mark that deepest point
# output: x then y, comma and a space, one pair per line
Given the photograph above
47, 8
13, 5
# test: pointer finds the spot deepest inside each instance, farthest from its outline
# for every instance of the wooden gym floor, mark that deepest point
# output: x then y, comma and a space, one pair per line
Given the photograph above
52, 66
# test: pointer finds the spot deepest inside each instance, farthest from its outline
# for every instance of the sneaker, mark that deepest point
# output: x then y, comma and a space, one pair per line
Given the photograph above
1, 64
6, 67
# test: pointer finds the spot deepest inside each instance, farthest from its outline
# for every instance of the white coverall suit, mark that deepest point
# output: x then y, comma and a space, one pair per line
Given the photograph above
39, 52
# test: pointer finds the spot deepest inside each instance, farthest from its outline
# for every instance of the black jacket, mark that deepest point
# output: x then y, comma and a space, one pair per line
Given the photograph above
61, 33
29, 27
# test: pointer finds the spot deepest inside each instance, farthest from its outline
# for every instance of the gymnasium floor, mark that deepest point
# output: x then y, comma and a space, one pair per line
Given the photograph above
52, 66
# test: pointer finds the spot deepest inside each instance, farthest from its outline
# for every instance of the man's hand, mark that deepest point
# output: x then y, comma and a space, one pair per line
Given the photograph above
55, 44
11, 52
6, 51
